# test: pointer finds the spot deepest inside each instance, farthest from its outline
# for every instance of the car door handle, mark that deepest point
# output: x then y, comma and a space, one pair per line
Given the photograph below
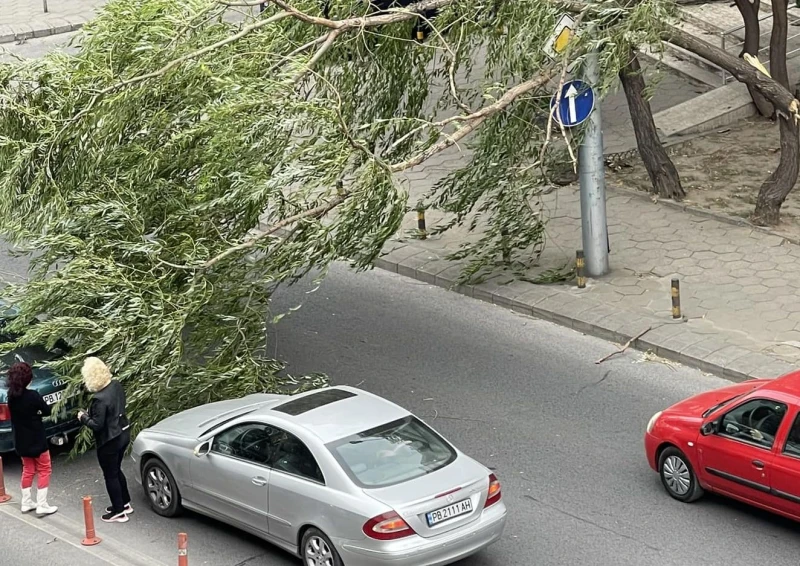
758, 464
258, 480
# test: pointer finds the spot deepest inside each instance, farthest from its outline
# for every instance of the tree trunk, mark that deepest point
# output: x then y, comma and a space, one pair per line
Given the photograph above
778, 185
752, 43
663, 176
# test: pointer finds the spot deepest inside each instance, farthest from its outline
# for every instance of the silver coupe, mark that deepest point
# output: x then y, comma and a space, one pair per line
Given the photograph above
336, 476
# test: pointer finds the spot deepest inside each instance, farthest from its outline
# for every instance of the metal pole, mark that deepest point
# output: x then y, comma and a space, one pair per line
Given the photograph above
593, 185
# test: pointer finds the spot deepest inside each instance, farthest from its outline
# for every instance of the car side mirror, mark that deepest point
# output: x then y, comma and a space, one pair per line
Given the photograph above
709, 428
202, 449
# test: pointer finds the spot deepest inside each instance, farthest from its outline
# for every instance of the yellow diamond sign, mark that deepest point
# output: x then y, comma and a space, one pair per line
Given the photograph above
560, 44
560, 37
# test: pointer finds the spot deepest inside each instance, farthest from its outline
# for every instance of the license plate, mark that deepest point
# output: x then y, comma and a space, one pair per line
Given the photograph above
446, 513
53, 398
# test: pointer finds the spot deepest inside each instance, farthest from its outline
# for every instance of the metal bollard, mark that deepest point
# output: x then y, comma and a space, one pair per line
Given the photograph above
4, 497
91, 538
676, 298
580, 264
423, 232
183, 550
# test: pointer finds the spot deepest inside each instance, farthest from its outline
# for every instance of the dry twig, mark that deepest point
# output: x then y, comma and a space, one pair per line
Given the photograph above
625, 346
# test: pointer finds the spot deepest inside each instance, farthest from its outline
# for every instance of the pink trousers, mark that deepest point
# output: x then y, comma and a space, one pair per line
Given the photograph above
40, 466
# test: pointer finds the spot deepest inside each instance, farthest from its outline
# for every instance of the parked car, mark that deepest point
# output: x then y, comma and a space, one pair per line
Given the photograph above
49, 385
741, 441
336, 476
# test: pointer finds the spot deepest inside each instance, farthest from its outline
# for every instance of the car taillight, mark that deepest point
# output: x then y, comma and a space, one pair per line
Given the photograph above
389, 526
5, 414
495, 493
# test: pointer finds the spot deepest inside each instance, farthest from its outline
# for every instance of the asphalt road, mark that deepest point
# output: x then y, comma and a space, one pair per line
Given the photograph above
23, 544
521, 395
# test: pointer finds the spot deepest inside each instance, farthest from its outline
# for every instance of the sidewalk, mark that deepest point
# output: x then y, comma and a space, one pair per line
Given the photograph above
24, 19
739, 285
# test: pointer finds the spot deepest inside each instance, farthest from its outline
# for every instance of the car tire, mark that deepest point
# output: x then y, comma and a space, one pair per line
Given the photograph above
677, 476
315, 544
161, 489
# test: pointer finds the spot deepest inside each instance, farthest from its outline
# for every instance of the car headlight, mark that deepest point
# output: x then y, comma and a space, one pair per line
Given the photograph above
652, 422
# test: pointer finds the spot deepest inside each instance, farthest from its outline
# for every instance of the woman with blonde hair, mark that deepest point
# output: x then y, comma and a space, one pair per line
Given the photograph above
107, 419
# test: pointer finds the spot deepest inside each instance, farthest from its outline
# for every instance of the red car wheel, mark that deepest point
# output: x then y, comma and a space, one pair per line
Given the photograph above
678, 476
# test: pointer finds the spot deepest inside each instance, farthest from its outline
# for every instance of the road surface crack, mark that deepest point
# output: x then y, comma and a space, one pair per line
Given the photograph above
595, 384
592, 523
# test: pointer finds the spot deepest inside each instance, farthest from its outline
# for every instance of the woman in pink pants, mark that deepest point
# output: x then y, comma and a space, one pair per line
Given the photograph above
27, 410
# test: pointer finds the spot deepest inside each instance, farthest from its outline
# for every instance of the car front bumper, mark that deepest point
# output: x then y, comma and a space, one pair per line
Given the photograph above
651, 444
418, 551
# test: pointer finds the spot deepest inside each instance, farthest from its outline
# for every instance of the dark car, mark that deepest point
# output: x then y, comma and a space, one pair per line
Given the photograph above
51, 387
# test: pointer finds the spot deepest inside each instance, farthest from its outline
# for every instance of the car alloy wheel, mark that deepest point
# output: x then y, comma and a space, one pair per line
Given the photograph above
677, 475
158, 488
318, 552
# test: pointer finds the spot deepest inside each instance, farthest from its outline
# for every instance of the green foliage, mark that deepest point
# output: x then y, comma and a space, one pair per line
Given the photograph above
167, 178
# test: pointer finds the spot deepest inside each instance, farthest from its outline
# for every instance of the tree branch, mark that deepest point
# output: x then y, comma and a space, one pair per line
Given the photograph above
390, 17
329, 40
474, 120
299, 50
172, 64
340, 26
316, 212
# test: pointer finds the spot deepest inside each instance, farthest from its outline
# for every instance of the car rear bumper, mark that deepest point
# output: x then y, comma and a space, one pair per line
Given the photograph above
53, 429
439, 551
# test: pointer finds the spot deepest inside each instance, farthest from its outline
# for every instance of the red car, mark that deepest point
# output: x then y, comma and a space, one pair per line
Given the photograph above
742, 441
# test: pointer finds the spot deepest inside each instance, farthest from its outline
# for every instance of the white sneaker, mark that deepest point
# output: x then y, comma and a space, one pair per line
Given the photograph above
42, 508
27, 501
110, 517
128, 509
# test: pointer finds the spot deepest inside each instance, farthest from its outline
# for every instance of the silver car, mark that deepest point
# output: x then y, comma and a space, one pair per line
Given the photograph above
336, 476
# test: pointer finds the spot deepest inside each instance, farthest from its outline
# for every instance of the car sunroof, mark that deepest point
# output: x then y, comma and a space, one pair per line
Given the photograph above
313, 401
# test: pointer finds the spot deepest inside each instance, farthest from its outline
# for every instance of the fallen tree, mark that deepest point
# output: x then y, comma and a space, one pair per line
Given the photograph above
169, 176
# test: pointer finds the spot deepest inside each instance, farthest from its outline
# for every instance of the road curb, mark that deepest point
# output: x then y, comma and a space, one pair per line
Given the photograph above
35, 30
576, 309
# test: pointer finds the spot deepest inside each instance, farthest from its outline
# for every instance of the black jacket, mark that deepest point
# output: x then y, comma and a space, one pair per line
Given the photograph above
107, 417
27, 411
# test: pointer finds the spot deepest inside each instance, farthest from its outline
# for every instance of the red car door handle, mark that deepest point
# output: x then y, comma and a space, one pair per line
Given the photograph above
758, 464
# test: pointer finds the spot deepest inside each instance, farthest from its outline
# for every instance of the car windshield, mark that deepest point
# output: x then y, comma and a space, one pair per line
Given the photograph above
28, 354
393, 453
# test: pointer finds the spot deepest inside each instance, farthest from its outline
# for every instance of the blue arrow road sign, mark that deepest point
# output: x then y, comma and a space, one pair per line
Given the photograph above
575, 105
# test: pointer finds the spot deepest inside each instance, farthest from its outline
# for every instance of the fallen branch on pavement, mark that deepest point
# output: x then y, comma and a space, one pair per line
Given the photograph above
627, 344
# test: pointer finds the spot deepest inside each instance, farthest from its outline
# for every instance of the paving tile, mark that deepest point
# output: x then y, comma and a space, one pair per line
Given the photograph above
725, 357
752, 362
